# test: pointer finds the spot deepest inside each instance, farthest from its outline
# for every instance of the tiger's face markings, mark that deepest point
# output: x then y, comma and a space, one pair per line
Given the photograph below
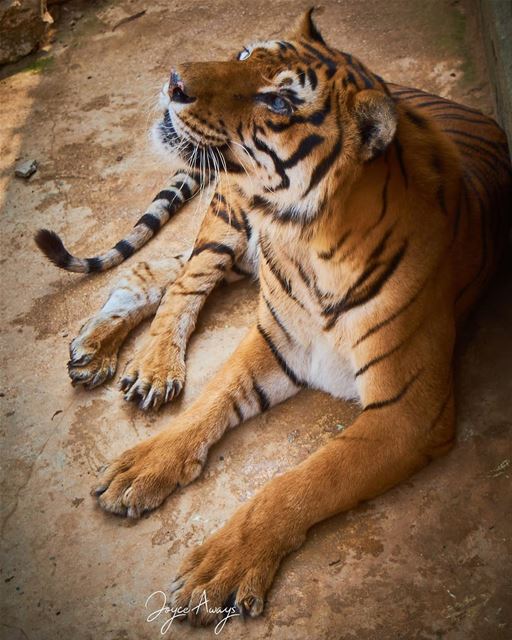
292, 119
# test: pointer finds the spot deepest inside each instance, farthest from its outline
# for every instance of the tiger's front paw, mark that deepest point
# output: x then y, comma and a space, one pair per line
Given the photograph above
156, 374
93, 353
234, 568
143, 476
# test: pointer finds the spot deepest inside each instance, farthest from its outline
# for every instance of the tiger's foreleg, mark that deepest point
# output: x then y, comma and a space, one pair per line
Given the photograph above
250, 382
408, 419
157, 372
93, 353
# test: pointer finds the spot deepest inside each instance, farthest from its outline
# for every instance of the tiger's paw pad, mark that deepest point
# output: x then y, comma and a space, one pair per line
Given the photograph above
151, 381
93, 356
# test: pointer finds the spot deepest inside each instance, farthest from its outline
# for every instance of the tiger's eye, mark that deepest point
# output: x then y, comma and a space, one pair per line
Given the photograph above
244, 54
280, 105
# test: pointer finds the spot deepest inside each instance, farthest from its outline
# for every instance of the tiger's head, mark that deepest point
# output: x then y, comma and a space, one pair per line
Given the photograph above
291, 118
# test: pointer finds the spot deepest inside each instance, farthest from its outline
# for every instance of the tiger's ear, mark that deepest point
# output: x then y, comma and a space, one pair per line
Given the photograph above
306, 28
376, 119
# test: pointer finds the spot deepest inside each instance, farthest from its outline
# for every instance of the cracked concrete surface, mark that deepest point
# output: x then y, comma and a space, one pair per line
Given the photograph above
430, 559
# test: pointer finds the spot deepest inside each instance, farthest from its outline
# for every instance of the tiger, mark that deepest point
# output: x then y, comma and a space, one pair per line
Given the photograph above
374, 215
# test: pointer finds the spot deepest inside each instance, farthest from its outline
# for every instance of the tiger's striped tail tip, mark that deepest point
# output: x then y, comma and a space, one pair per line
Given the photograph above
53, 248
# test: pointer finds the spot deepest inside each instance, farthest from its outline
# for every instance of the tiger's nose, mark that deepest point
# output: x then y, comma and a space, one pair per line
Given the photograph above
176, 89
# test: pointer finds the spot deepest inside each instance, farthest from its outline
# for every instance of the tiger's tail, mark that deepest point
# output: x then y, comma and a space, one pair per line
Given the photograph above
165, 204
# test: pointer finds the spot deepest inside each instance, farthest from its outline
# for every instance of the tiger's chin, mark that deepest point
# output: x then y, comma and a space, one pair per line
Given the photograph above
167, 143
176, 147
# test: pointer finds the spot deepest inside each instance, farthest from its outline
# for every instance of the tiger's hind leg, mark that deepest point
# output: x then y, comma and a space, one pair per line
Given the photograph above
93, 353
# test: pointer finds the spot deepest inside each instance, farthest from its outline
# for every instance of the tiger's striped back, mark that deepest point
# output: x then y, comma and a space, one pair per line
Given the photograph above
482, 219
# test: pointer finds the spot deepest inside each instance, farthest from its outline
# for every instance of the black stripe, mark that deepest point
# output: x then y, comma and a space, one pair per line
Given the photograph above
312, 78
384, 207
273, 312
231, 165
272, 265
184, 190
218, 196
259, 202
247, 148
324, 166
400, 156
403, 92
416, 119
329, 62
303, 275
361, 70
278, 166
377, 252
247, 225
197, 292
125, 249
168, 195
150, 221
448, 103
349, 302
263, 401
371, 266
465, 134
368, 84
451, 116
493, 143
291, 215
488, 159
431, 103
389, 401
327, 255
279, 358
94, 264
305, 147
349, 79
378, 359
216, 247
383, 323
228, 218
290, 46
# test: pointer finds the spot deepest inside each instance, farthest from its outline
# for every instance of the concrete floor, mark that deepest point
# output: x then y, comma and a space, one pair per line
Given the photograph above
431, 559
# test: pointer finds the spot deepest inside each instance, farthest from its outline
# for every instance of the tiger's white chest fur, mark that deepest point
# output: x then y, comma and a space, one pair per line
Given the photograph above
330, 369
321, 359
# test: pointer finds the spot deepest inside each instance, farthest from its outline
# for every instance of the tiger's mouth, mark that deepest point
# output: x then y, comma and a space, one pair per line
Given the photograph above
171, 138
200, 144
208, 152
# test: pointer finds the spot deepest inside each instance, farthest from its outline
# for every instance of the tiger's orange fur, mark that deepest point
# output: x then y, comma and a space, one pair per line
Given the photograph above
374, 215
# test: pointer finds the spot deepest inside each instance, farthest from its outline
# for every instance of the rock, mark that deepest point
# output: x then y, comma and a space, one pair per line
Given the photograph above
26, 169
21, 28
